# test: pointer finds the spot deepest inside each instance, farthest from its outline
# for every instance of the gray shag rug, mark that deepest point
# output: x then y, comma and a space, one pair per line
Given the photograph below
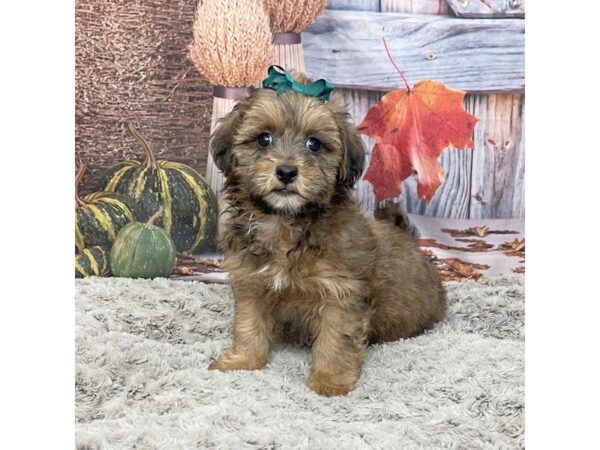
142, 348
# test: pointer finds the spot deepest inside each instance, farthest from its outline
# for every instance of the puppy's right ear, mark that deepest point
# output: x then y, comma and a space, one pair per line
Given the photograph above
221, 141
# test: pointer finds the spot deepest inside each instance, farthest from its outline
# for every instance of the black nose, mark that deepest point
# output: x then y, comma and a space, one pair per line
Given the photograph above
286, 174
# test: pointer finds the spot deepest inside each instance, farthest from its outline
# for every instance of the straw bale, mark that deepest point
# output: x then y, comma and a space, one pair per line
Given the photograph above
232, 42
293, 16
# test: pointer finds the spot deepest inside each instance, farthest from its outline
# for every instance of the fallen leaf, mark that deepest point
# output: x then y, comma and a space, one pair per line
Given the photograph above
514, 248
453, 269
480, 231
516, 245
412, 126
208, 261
475, 246
516, 254
183, 270
432, 243
464, 268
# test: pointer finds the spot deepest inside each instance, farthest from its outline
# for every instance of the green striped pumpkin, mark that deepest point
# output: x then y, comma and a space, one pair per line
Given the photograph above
92, 261
99, 216
143, 251
190, 205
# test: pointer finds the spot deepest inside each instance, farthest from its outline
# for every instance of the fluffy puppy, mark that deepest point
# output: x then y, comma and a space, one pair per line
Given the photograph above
306, 266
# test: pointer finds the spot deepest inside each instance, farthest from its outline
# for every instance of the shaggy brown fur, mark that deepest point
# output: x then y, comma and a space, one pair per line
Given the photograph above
305, 265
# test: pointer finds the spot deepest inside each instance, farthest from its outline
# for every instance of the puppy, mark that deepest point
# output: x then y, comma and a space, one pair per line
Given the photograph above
305, 265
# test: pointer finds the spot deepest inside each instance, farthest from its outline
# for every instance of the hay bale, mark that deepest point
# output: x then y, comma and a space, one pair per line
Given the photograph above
132, 64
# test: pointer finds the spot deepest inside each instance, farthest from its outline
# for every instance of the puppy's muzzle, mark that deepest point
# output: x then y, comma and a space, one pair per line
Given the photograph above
286, 174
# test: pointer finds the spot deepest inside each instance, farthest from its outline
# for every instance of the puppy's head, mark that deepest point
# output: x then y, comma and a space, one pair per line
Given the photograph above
289, 150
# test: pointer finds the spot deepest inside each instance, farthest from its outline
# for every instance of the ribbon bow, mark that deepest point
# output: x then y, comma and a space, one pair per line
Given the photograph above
281, 81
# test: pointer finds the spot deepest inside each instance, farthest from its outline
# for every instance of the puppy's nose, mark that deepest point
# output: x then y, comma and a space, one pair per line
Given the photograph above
285, 173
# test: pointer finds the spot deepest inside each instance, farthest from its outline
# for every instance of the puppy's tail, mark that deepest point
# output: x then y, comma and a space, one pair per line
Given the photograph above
392, 212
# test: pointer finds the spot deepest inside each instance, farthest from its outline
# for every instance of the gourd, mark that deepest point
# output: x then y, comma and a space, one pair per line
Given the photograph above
143, 251
92, 261
190, 205
99, 216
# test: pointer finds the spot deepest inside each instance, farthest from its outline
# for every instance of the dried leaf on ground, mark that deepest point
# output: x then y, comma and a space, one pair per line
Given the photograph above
479, 231
454, 269
183, 270
458, 269
475, 246
432, 243
515, 248
516, 245
188, 264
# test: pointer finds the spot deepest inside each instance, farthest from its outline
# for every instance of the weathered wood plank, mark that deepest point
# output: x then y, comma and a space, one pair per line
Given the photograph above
415, 6
498, 175
475, 55
488, 8
489, 181
354, 5
452, 199
518, 203
290, 56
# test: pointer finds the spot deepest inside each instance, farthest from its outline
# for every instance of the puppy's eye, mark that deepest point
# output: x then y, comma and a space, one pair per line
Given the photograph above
313, 144
264, 140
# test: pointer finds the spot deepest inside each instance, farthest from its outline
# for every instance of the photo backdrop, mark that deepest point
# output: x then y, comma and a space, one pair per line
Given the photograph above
133, 64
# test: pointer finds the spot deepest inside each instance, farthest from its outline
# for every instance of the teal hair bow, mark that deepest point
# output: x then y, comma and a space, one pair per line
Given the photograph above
281, 81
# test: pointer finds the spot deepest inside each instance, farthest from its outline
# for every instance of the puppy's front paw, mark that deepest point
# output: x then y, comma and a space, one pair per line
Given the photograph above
229, 361
328, 385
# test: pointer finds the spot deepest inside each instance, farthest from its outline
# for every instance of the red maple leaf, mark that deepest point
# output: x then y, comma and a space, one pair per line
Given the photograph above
411, 127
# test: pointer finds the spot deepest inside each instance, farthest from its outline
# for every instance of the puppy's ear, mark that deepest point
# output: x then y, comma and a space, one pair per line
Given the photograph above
353, 162
221, 141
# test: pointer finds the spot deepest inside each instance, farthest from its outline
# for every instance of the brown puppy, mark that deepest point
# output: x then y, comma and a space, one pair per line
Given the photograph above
305, 265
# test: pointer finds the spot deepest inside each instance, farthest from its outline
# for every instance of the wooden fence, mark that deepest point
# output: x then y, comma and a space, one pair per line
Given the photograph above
473, 45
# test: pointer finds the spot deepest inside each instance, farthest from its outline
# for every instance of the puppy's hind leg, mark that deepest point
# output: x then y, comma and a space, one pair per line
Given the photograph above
338, 352
252, 336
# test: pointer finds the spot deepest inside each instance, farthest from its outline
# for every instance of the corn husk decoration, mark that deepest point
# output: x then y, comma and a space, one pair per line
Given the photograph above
288, 19
232, 48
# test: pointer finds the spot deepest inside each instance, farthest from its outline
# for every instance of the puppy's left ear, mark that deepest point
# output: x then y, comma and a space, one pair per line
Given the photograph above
353, 162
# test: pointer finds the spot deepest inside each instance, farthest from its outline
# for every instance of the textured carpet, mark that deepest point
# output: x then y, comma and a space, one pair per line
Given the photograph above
141, 378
